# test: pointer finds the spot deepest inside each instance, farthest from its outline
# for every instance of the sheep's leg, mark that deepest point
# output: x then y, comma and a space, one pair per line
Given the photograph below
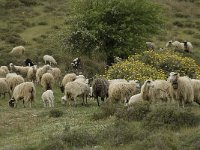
44, 104
30, 103
75, 101
83, 100
102, 99
15, 105
97, 101
86, 100
24, 104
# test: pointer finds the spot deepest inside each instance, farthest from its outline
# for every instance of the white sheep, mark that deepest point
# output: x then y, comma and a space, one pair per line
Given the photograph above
4, 87
63, 99
5, 68
196, 89
2, 73
182, 88
81, 78
116, 81
158, 90
31, 74
48, 98
40, 71
188, 47
47, 81
135, 98
180, 46
19, 70
13, 80
67, 78
150, 46
24, 91
18, 51
50, 59
56, 72
121, 91
75, 89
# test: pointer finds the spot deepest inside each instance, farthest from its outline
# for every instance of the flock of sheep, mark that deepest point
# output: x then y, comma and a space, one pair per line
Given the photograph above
19, 82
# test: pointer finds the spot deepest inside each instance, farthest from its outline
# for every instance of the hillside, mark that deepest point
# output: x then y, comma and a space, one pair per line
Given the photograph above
38, 25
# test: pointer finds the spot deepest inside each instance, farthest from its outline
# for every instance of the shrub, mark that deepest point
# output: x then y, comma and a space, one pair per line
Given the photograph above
14, 38
170, 117
55, 113
178, 23
137, 111
29, 2
12, 4
42, 23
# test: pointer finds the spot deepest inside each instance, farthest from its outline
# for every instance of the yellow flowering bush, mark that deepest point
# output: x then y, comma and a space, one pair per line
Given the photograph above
169, 61
134, 69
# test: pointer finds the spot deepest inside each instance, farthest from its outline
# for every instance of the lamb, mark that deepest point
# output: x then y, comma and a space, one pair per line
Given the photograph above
31, 74
24, 91
2, 73
18, 51
150, 46
41, 71
13, 80
100, 89
56, 72
135, 98
5, 68
196, 89
50, 59
47, 81
67, 78
4, 87
158, 90
48, 98
75, 89
19, 69
121, 91
182, 88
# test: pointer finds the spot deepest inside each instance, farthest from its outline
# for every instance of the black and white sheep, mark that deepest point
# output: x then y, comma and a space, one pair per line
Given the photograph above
28, 62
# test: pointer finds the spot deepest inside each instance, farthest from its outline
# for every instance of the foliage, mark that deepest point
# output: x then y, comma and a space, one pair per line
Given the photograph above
113, 27
133, 70
55, 113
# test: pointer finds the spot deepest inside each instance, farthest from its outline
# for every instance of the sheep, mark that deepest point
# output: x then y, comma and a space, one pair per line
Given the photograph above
75, 89
48, 98
24, 91
100, 89
13, 80
76, 64
158, 90
81, 78
19, 69
28, 62
121, 91
4, 87
150, 46
5, 68
31, 74
56, 72
117, 81
47, 81
180, 46
135, 98
18, 51
2, 73
50, 59
67, 78
182, 88
40, 71
63, 99
196, 89
188, 47
169, 44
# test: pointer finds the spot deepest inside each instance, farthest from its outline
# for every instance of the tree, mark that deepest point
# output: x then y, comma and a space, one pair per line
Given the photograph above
114, 27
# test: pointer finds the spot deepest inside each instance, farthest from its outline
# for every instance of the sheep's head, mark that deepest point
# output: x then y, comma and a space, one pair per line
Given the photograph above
12, 102
149, 83
173, 78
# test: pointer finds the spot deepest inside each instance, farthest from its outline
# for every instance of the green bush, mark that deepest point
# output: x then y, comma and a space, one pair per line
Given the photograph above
138, 111
170, 117
55, 113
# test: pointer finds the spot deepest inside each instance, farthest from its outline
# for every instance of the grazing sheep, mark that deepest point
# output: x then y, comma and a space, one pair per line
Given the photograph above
50, 59
188, 47
28, 62
121, 91
158, 90
196, 89
13, 80
135, 98
117, 81
67, 78
75, 89
41, 71
169, 44
4, 87
5, 68
182, 88
100, 89
48, 98
179, 46
76, 64
31, 74
56, 72
19, 70
2, 73
81, 78
18, 51
150, 46
47, 81
24, 91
